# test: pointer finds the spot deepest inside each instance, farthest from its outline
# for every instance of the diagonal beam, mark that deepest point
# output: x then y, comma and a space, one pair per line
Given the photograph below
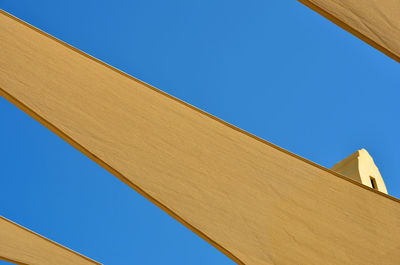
254, 201
377, 22
22, 246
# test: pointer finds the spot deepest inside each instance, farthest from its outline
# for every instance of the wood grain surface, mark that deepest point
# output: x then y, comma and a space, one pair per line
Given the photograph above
377, 22
22, 246
256, 202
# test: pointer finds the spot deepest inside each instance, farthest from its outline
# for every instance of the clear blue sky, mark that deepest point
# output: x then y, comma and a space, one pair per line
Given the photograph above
273, 68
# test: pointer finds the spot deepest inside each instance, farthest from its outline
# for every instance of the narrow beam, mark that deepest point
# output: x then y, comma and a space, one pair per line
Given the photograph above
254, 201
22, 246
377, 22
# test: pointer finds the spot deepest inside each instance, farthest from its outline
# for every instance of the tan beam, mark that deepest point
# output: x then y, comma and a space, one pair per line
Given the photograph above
256, 202
22, 246
377, 22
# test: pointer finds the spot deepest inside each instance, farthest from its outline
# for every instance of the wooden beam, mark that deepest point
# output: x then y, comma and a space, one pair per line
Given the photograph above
254, 201
22, 246
376, 22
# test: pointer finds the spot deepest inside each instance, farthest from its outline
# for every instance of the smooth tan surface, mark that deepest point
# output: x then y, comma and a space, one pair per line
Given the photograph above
254, 201
360, 166
22, 246
376, 22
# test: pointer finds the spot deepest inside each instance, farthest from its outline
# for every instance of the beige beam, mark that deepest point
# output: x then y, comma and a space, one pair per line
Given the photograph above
256, 202
22, 246
377, 22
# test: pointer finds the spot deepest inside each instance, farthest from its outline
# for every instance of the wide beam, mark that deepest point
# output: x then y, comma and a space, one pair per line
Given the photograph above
377, 22
22, 246
255, 202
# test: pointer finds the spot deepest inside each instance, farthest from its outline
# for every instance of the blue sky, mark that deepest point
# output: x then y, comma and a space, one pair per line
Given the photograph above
273, 68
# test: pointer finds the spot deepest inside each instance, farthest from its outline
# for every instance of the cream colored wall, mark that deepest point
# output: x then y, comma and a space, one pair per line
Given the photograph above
368, 169
360, 166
